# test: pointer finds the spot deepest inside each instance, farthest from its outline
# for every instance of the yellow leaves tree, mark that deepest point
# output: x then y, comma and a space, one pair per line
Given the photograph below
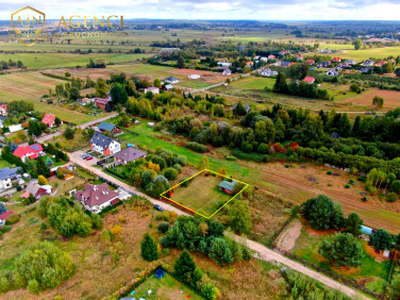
42, 180
153, 166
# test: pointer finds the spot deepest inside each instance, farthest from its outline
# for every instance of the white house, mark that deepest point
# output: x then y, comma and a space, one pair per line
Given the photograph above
15, 128
104, 144
194, 76
268, 72
226, 72
7, 175
224, 64
153, 89
332, 72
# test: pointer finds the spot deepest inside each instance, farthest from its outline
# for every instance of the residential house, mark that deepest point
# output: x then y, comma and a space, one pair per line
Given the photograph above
104, 144
270, 57
128, 155
101, 103
264, 59
268, 72
299, 57
97, 197
104, 126
36, 190
246, 106
3, 109
283, 53
366, 70
332, 72
227, 186
194, 76
5, 216
171, 80
7, 175
350, 61
32, 151
226, 72
49, 119
368, 63
336, 59
151, 124
223, 64
309, 79
153, 89
285, 64
15, 128
168, 87
324, 64
310, 61
381, 63
85, 101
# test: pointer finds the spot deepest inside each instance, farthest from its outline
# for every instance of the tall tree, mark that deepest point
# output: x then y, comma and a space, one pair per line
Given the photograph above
353, 224
184, 267
118, 94
149, 250
357, 44
341, 250
381, 240
240, 216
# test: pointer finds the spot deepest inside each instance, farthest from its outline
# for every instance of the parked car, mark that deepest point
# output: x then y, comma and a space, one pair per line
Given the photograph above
89, 158
158, 207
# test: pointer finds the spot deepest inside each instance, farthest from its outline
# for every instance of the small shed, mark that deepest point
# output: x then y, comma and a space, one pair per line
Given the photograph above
366, 230
227, 186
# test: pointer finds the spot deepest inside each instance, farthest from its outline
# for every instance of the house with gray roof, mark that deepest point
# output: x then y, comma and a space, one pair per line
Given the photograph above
97, 197
171, 80
104, 126
7, 175
129, 154
227, 186
104, 144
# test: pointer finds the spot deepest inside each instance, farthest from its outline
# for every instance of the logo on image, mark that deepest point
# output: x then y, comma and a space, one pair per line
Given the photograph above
28, 23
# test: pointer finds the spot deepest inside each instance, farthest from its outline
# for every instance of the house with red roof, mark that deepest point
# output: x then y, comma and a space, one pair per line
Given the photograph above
5, 216
101, 103
309, 79
381, 63
336, 59
49, 120
3, 109
310, 61
31, 151
271, 57
97, 197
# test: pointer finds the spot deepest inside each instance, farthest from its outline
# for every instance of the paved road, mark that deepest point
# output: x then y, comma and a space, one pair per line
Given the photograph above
261, 251
82, 126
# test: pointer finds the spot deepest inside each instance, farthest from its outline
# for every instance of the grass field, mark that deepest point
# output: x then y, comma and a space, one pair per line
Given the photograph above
164, 288
372, 272
63, 60
253, 83
348, 52
201, 195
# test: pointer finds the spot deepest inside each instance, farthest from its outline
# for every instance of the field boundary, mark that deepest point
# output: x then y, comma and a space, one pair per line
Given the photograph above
195, 175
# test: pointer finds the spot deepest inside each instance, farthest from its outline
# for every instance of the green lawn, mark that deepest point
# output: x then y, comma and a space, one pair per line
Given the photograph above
348, 52
163, 288
4, 163
254, 83
202, 194
307, 248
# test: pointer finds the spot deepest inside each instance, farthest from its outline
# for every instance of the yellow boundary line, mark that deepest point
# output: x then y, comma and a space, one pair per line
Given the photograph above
195, 175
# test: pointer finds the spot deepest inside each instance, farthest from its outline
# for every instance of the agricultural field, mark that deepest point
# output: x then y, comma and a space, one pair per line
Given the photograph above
31, 86
39, 61
348, 52
373, 272
200, 193
295, 184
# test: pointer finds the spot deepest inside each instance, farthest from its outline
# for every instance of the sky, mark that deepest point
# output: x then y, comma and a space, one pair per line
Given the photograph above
216, 10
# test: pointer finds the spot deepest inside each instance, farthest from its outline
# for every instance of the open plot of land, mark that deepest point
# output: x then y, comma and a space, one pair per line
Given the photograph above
373, 273
292, 184
254, 83
201, 194
392, 99
164, 288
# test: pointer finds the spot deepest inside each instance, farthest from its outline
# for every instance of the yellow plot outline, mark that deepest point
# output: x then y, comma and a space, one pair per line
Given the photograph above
195, 175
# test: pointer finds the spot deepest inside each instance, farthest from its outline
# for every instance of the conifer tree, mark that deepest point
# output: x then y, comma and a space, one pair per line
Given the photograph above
149, 248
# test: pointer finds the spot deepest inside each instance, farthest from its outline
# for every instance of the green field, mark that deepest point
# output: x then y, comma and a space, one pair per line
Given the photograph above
63, 60
201, 195
253, 83
348, 52
163, 288
307, 247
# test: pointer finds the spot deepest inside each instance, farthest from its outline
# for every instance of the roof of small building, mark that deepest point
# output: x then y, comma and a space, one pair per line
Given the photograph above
48, 119
129, 154
309, 79
366, 230
101, 140
171, 78
34, 187
228, 185
106, 126
102, 101
6, 215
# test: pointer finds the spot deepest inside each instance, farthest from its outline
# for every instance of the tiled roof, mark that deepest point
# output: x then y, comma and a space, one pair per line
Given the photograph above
21, 151
93, 195
106, 126
101, 140
6, 215
129, 154
48, 119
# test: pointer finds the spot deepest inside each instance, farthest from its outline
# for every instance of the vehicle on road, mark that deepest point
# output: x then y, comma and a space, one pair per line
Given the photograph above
158, 207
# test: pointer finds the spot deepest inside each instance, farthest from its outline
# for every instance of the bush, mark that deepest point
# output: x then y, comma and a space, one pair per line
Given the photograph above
13, 219
170, 173
196, 147
163, 227
329, 172
371, 189
178, 167
347, 186
230, 158
392, 197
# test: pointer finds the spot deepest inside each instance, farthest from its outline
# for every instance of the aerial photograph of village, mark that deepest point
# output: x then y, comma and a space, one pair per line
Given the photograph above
199, 150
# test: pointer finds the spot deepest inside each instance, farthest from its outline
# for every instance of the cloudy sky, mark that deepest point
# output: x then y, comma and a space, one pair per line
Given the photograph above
213, 9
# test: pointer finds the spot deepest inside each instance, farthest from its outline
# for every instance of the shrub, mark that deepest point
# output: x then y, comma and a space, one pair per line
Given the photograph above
347, 186
351, 181
178, 167
170, 173
371, 189
230, 158
13, 219
392, 197
329, 172
163, 227
196, 147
